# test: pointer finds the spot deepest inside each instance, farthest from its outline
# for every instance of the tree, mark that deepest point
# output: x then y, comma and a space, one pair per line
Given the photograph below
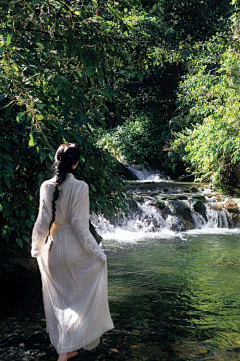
55, 60
209, 117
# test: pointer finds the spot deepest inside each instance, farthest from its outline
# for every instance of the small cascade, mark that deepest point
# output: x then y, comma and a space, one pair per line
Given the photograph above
148, 174
168, 208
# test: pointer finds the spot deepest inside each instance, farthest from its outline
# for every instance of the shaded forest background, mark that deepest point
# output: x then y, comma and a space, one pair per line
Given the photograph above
147, 82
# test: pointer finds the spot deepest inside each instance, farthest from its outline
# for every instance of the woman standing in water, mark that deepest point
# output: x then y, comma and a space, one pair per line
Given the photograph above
73, 267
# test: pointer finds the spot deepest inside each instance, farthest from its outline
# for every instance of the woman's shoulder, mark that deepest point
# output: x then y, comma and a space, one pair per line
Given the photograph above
80, 184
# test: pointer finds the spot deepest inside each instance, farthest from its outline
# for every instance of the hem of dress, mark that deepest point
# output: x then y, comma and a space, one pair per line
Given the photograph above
88, 341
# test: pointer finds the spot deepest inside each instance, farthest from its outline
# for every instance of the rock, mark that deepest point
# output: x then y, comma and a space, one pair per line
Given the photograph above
199, 197
188, 225
160, 204
125, 172
232, 207
165, 190
234, 210
186, 190
138, 167
236, 220
200, 208
182, 198
217, 206
132, 206
165, 198
179, 208
194, 189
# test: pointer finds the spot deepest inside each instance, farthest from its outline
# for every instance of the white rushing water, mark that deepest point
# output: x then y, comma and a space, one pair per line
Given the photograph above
147, 220
148, 174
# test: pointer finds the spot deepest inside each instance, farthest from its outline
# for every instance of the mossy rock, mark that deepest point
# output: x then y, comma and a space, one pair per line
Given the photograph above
236, 220
200, 208
199, 197
165, 198
182, 198
188, 225
234, 210
179, 208
186, 190
160, 204
194, 189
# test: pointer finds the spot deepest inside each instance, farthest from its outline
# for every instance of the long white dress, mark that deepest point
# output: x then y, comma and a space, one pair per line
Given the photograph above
74, 271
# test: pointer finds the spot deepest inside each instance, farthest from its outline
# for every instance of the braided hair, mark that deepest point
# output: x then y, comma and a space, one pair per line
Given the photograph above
66, 156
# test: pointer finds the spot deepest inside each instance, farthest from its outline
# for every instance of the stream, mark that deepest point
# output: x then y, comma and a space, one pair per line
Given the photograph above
174, 276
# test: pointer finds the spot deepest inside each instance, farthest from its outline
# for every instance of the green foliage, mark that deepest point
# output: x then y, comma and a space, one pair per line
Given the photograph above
209, 100
139, 140
55, 59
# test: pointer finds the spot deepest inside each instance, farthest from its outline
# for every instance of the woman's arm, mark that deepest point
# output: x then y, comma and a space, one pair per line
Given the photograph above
41, 226
80, 223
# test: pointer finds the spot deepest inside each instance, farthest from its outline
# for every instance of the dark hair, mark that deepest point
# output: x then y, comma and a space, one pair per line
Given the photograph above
66, 156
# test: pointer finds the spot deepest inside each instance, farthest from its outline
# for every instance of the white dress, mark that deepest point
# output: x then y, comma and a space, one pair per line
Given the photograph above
74, 271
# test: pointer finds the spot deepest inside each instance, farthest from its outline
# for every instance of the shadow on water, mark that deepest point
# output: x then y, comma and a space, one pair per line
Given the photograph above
175, 299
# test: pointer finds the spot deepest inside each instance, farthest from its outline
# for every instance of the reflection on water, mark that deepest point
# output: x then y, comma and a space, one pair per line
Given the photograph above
180, 295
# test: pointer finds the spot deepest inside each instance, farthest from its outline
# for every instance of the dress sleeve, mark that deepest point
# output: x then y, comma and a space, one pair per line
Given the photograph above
41, 226
80, 223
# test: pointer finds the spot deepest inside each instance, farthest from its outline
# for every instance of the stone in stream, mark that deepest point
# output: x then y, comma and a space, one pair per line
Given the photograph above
179, 208
186, 190
194, 189
182, 198
187, 225
165, 190
232, 207
200, 208
165, 198
158, 204
236, 220
199, 197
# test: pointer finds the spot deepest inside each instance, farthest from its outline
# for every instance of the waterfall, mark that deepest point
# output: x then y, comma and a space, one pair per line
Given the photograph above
148, 174
163, 208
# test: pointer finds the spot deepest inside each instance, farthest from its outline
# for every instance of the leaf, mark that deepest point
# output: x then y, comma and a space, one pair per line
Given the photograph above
26, 239
29, 223
9, 38
7, 157
79, 74
32, 217
19, 116
7, 182
93, 187
32, 141
51, 156
43, 156
140, 76
89, 70
19, 242
100, 80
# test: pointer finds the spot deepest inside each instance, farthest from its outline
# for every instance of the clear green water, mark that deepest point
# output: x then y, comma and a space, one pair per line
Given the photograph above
171, 300
176, 299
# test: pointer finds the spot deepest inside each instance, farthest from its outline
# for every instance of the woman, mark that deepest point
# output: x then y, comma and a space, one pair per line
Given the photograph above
73, 267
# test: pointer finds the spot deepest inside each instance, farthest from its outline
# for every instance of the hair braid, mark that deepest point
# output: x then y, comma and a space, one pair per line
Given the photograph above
66, 156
